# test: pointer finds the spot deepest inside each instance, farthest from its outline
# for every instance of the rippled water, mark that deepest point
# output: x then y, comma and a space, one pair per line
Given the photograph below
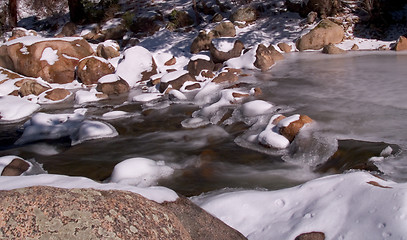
358, 96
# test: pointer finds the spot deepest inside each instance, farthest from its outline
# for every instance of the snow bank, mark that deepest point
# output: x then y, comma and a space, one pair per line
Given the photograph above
158, 194
348, 206
44, 126
140, 172
21, 108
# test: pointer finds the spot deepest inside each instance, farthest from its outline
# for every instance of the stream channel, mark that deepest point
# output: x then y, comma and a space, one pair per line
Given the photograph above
358, 102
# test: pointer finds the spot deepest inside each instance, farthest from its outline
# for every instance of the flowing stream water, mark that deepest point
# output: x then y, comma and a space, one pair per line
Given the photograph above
358, 102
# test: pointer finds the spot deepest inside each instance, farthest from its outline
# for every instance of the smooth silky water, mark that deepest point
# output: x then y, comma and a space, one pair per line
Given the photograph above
358, 97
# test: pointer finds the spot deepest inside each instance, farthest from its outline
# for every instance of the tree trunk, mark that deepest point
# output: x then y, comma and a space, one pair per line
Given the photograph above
76, 12
12, 7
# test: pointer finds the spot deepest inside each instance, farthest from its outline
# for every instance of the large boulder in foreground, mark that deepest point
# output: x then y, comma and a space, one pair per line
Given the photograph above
52, 59
326, 32
55, 213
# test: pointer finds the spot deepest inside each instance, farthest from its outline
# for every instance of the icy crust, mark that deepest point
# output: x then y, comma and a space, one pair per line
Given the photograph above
44, 126
157, 194
20, 109
348, 206
140, 172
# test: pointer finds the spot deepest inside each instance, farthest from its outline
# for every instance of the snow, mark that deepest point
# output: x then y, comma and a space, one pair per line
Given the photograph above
135, 61
256, 107
30, 40
173, 75
346, 206
49, 55
140, 172
147, 97
271, 137
44, 126
245, 61
224, 44
200, 56
21, 108
109, 78
286, 121
83, 96
157, 194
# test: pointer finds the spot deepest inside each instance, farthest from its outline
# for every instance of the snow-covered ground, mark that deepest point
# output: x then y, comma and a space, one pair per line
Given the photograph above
354, 205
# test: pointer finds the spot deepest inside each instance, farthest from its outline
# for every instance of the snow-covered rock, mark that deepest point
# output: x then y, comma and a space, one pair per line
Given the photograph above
140, 172
137, 65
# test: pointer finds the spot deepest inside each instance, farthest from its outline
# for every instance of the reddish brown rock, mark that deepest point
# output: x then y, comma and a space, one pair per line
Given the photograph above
195, 67
113, 88
68, 30
220, 57
193, 86
224, 29
30, 86
401, 44
244, 14
294, 127
266, 57
311, 236
29, 60
92, 68
207, 74
223, 77
355, 47
177, 83
284, 47
201, 42
108, 49
57, 94
326, 32
15, 168
171, 62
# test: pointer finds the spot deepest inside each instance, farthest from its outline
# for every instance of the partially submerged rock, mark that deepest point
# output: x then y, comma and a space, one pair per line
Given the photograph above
401, 44
57, 94
266, 57
175, 80
195, 67
284, 47
332, 49
16, 167
326, 32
